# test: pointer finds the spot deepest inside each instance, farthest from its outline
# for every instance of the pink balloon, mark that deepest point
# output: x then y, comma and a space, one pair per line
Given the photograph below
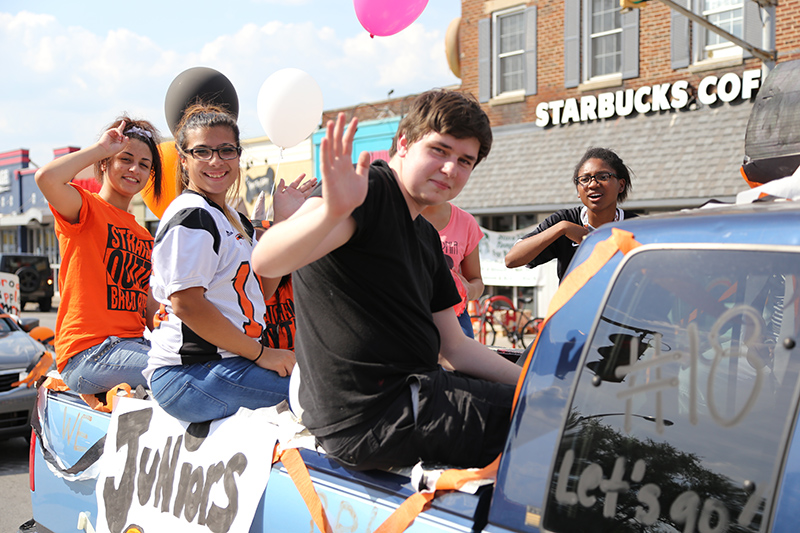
387, 17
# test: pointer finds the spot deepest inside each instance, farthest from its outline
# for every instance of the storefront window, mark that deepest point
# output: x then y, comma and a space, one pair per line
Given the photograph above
499, 223
42, 241
9, 240
525, 299
526, 220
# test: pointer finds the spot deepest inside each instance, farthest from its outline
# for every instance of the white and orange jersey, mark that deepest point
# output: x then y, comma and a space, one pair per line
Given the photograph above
196, 246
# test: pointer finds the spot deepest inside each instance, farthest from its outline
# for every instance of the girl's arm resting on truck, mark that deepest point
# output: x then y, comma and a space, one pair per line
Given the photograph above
200, 315
469, 356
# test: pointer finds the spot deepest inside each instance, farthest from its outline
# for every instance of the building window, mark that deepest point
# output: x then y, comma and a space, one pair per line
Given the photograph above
601, 44
737, 17
509, 51
605, 37
729, 16
9, 237
507, 54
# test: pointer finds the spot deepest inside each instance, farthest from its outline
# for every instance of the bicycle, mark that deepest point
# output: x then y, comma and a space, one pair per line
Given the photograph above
499, 313
484, 322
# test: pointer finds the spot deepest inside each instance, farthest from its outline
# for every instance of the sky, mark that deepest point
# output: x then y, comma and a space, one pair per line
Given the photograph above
70, 68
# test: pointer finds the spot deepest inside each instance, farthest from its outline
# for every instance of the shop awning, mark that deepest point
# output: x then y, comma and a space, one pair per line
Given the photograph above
32, 217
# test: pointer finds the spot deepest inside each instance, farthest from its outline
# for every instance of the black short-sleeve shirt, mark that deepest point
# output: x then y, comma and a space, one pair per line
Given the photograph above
562, 249
365, 310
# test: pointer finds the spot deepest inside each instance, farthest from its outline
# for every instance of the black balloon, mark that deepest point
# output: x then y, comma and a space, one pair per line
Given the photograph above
198, 84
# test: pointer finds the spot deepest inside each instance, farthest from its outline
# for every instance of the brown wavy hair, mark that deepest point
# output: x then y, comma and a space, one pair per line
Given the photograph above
448, 113
151, 141
201, 116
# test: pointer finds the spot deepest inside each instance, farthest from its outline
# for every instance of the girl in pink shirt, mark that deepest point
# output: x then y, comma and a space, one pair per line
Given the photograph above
460, 235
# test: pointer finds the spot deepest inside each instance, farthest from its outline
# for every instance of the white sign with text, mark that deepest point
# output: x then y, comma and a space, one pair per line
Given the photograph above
493, 249
162, 474
9, 293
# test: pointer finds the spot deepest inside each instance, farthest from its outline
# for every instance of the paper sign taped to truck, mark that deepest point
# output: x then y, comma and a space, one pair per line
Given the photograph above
161, 474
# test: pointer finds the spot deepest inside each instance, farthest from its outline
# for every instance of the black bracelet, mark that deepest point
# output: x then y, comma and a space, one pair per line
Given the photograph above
259, 354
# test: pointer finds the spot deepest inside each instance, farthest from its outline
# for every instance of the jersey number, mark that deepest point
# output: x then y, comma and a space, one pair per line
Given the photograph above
251, 327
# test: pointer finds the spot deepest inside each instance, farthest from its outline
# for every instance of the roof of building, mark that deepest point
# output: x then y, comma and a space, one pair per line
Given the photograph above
678, 158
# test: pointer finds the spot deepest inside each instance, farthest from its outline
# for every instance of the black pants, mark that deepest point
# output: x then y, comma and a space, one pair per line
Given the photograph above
460, 421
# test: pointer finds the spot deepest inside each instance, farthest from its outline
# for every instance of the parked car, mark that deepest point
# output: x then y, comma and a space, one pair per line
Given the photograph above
19, 353
35, 278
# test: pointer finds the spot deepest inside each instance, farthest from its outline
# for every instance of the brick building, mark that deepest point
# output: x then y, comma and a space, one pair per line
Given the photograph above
669, 96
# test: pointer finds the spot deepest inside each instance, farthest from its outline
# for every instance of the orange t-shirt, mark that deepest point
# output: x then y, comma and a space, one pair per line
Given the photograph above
104, 278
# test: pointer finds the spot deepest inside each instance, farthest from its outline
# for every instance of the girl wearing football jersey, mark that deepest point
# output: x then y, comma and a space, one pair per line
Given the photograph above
206, 360
105, 257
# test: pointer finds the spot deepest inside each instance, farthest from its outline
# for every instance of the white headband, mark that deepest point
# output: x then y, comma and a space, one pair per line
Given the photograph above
139, 131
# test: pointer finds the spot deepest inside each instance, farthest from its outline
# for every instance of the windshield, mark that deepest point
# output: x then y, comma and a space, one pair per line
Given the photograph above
681, 407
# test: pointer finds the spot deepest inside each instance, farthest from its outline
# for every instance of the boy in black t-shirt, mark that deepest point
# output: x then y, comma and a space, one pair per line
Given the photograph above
374, 298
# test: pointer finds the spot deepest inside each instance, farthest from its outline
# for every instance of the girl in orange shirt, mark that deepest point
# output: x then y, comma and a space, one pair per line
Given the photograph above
105, 257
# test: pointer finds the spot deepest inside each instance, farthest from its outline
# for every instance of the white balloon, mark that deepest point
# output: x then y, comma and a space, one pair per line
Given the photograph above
289, 106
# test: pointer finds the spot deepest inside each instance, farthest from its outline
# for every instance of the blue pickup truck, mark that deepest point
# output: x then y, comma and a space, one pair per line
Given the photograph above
662, 395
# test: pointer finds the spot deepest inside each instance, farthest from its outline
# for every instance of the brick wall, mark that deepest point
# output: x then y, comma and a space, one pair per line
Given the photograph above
654, 54
787, 34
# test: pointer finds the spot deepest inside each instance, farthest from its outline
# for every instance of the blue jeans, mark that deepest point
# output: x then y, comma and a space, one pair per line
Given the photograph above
216, 389
106, 365
466, 324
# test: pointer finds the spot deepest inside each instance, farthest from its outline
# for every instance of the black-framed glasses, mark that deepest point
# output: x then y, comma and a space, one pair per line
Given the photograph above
225, 151
600, 177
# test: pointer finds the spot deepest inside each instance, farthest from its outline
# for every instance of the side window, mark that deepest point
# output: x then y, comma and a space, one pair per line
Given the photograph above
688, 384
601, 44
507, 54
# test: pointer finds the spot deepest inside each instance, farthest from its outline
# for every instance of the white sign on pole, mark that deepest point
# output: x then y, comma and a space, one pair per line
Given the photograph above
162, 474
9, 293
493, 249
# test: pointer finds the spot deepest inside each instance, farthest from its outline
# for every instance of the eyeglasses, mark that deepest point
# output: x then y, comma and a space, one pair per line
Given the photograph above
600, 177
204, 153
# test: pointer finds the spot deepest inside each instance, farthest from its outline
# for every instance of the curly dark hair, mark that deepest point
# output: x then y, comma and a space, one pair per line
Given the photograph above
609, 157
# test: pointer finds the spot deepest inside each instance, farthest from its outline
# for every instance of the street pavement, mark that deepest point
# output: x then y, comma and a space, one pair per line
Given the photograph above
16, 500
15, 505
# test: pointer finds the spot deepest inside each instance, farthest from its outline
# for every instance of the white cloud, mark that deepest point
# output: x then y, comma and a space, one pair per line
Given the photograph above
414, 57
69, 82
